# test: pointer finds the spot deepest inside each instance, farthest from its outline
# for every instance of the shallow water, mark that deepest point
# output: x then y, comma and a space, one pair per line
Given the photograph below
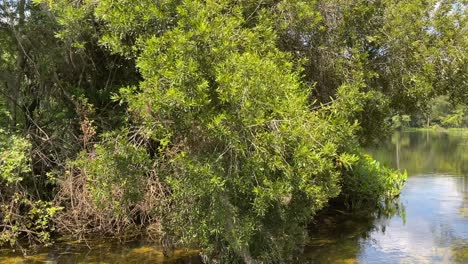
101, 251
429, 223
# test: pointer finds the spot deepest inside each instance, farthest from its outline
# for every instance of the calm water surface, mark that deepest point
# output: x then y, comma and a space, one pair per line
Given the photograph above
429, 223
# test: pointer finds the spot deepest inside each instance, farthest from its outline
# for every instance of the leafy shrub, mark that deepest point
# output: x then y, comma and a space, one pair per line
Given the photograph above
115, 172
400, 121
112, 188
23, 217
14, 157
369, 182
457, 118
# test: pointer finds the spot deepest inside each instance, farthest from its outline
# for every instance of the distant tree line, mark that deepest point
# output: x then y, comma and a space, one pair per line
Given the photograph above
442, 113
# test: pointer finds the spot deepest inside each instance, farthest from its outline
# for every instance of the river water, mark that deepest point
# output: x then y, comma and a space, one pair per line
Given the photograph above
428, 224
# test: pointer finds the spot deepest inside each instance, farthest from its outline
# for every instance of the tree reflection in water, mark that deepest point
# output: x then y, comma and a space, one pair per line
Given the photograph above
429, 222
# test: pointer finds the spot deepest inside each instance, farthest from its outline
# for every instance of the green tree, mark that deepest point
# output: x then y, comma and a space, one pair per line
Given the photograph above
247, 162
50, 89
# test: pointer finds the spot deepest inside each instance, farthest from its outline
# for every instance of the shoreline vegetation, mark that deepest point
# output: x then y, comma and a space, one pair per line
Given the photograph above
221, 125
437, 129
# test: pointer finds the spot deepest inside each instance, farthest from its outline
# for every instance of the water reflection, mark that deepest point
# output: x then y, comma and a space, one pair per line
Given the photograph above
337, 235
432, 228
426, 152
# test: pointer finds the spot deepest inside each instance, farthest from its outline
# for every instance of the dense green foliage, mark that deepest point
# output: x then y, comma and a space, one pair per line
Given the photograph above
116, 172
443, 113
222, 125
15, 161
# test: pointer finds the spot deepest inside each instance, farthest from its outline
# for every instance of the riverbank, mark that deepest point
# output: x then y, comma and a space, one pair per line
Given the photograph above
437, 129
426, 224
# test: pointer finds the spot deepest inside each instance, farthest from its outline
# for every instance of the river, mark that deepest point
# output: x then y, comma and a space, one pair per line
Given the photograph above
427, 224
